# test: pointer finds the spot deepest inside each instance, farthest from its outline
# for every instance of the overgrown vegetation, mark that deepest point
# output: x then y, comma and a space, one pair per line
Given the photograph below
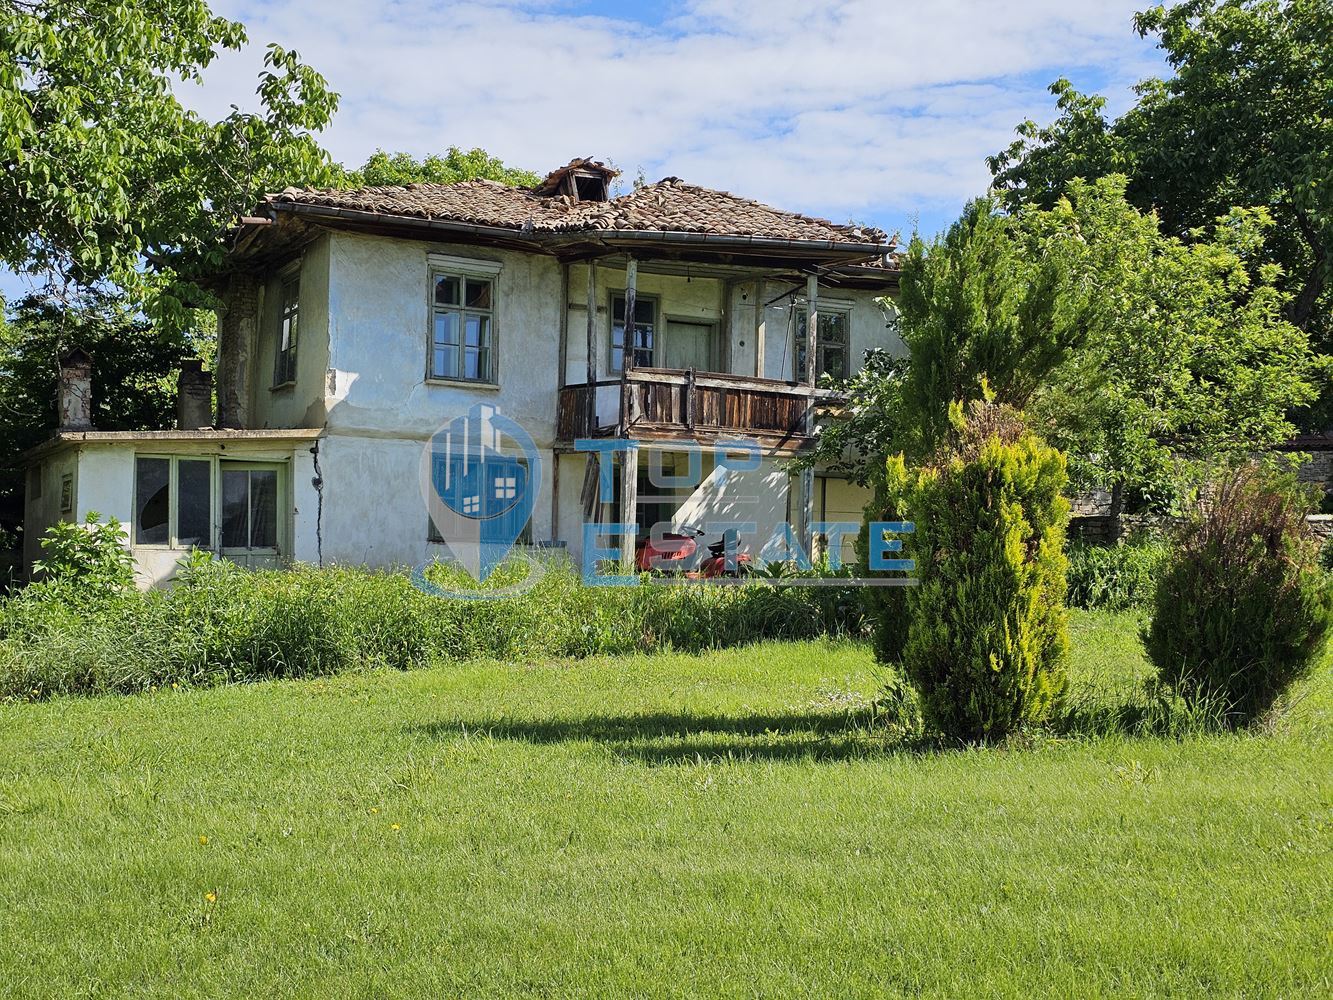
1242, 609
986, 641
221, 624
1115, 577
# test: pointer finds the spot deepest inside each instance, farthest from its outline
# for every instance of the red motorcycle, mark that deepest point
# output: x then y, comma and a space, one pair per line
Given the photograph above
678, 551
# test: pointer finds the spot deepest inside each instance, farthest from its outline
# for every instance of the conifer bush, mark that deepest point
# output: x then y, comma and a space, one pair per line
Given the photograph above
987, 638
1242, 610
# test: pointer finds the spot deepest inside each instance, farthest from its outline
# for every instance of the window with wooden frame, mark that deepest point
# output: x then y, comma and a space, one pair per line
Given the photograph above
173, 501
645, 331
284, 368
832, 346
462, 327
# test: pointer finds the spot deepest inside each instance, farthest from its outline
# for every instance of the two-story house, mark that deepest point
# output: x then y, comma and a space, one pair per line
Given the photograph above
356, 323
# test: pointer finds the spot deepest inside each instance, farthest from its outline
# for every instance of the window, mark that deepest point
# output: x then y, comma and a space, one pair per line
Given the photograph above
645, 326
173, 502
284, 371
462, 346
831, 345
67, 493
249, 507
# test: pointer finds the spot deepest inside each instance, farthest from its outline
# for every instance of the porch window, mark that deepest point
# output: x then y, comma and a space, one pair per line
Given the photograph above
249, 507
284, 370
645, 327
462, 346
831, 347
173, 502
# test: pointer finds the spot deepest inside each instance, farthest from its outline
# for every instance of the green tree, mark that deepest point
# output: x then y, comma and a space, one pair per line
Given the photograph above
135, 364
1245, 121
104, 171
397, 169
1188, 358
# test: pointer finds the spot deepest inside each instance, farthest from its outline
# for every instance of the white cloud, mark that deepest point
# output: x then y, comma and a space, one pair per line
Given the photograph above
855, 109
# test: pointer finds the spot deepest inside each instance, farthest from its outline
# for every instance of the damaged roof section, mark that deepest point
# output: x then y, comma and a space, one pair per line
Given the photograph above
568, 202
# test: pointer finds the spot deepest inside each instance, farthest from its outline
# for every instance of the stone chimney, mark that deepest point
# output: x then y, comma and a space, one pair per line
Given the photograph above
74, 391
194, 396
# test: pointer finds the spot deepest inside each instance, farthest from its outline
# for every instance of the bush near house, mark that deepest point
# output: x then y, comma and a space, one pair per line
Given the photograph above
1242, 609
987, 639
221, 624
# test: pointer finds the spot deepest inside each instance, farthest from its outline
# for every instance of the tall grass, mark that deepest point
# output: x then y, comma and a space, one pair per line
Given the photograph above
1115, 577
221, 625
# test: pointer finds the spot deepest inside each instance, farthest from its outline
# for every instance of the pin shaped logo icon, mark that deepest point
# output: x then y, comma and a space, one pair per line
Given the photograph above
479, 477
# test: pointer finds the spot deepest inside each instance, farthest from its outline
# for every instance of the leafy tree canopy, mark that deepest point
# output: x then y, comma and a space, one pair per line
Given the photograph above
1246, 120
385, 169
134, 374
1130, 348
103, 170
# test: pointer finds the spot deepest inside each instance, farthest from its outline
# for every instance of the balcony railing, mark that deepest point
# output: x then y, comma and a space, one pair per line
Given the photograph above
666, 403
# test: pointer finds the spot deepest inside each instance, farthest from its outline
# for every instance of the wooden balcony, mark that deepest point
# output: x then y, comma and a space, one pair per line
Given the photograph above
665, 404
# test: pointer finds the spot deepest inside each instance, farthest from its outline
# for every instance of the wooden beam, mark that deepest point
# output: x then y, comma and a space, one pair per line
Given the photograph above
629, 503
592, 345
759, 330
805, 512
811, 329
628, 340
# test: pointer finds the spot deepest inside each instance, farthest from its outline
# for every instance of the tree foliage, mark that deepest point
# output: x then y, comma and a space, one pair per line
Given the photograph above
384, 169
1242, 609
1245, 121
1130, 349
103, 169
987, 639
135, 364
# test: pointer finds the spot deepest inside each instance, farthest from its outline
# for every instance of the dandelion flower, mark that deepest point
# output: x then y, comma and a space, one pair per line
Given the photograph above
212, 897
396, 826
374, 810
202, 840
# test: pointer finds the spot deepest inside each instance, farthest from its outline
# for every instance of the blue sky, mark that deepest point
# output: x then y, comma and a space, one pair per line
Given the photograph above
860, 109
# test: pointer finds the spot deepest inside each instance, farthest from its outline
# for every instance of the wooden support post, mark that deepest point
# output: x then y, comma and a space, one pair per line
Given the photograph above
629, 503
591, 401
689, 399
759, 330
811, 329
805, 513
627, 342
631, 299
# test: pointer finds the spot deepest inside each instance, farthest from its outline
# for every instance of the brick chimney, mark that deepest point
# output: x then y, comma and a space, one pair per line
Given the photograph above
74, 391
194, 396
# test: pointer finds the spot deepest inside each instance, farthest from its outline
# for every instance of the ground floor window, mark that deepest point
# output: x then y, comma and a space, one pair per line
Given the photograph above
176, 499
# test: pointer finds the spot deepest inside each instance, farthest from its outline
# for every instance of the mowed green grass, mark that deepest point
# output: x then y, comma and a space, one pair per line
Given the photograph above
713, 826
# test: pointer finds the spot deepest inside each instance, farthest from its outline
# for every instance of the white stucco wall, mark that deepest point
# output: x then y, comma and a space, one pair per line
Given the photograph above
301, 404
104, 482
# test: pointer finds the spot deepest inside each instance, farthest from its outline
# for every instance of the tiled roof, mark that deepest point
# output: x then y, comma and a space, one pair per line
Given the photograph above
670, 205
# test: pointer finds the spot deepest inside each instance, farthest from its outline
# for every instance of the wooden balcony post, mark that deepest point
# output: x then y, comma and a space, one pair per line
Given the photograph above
811, 330
805, 513
629, 502
591, 403
627, 341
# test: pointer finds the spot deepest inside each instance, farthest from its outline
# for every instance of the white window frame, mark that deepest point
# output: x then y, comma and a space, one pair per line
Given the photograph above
215, 466
446, 266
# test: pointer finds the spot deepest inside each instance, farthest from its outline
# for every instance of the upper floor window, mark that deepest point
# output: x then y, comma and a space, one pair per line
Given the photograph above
645, 328
462, 345
284, 371
831, 346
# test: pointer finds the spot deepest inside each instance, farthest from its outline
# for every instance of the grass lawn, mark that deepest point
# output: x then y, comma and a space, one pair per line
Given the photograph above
658, 826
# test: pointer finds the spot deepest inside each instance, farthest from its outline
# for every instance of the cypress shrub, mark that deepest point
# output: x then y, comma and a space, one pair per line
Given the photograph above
1243, 609
987, 639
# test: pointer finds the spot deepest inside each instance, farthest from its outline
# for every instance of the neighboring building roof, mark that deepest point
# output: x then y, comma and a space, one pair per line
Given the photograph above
670, 205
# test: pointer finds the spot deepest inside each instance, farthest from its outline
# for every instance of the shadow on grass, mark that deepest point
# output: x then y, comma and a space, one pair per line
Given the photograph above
683, 737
